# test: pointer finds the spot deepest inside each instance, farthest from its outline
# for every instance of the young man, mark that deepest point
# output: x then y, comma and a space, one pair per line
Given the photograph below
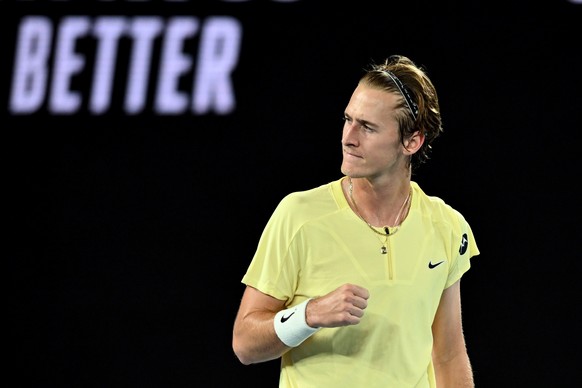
356, 283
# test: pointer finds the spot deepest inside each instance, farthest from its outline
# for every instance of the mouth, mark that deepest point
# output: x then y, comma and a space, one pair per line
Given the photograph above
349, 154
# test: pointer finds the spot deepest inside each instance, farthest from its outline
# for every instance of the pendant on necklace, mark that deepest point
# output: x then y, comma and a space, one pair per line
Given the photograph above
383, 250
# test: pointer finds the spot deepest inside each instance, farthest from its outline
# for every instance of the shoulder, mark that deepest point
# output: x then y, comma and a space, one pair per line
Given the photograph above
447, 222
312, 203
311, 198
435, 207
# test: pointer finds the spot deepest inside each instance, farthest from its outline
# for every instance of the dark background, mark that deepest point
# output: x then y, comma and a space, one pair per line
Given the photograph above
129, 235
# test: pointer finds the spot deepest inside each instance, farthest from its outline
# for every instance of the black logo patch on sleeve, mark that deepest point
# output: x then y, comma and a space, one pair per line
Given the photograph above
464, 244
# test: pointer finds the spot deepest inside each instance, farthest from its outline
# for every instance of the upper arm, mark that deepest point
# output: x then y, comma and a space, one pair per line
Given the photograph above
447, 327
254, 300
450, 359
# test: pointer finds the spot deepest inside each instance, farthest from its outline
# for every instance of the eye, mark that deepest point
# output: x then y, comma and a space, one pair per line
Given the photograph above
367, 128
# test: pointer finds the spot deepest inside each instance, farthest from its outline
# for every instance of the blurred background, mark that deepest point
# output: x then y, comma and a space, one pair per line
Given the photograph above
146, 144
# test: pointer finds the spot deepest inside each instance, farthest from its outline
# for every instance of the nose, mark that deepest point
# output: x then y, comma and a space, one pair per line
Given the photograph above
350, 133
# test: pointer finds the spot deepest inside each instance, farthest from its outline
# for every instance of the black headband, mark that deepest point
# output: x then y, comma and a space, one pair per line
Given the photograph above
404, 91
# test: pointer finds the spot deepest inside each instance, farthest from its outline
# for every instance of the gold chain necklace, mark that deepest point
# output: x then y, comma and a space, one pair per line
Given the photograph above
383, 248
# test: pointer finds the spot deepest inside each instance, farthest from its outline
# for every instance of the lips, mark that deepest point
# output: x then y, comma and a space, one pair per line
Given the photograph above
346, 153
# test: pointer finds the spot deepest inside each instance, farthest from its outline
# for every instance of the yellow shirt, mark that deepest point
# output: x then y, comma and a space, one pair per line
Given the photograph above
314, 242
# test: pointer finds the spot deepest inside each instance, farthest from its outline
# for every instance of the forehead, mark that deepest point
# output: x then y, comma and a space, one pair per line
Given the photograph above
368, 102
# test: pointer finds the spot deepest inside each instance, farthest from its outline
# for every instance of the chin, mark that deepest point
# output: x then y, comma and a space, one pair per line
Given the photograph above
349, 169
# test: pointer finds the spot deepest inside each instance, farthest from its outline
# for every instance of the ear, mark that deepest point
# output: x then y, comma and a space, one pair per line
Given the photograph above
413, 143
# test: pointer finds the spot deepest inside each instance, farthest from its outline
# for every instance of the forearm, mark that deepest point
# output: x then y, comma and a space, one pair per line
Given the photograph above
455, 372
265, 330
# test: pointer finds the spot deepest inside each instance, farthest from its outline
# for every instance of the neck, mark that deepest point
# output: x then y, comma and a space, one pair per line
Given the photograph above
379, 206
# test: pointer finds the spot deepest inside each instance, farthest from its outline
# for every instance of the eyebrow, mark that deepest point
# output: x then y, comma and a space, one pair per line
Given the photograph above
362, 122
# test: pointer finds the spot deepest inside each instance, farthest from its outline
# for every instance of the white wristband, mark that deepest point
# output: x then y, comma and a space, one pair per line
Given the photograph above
291, 327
